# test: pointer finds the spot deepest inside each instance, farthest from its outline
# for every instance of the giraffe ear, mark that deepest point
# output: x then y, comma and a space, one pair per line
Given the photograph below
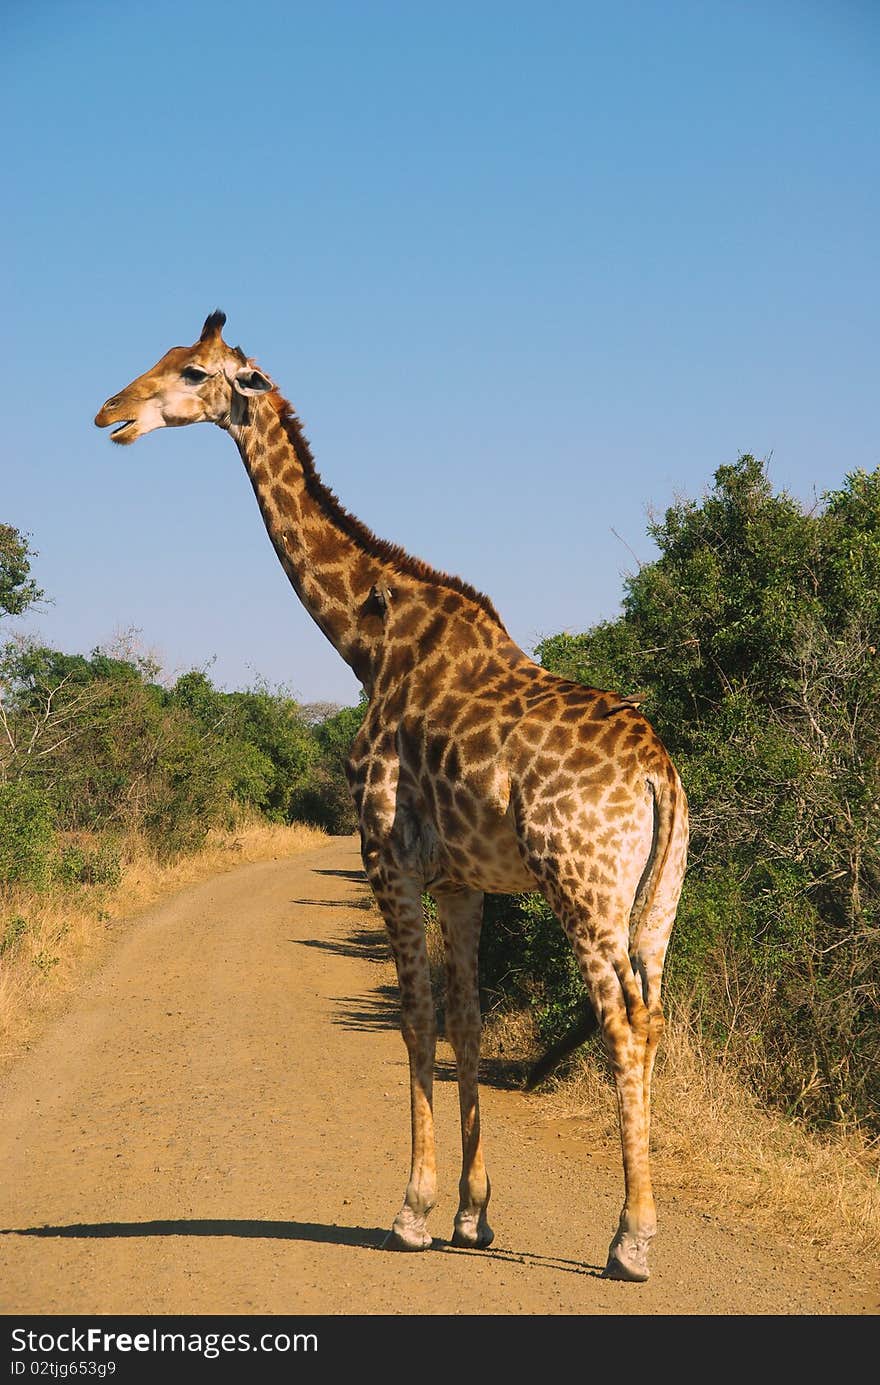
250, 381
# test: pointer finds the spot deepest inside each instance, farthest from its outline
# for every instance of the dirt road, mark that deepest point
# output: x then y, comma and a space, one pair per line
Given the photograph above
220, 1125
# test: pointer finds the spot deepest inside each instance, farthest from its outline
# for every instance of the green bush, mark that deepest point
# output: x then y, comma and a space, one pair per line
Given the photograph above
26, 835
97, 745
78, 865
525, 955
323, 796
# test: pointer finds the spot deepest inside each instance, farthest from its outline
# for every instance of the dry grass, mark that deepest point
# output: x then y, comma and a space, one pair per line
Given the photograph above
54, 937
711, 1137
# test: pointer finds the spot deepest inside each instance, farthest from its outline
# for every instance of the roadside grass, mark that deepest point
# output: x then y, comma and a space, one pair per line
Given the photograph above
51, 938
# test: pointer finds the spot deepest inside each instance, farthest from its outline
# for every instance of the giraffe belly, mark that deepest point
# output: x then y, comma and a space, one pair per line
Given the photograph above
488, 858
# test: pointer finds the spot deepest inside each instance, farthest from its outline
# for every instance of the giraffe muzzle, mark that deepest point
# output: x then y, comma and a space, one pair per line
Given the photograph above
109, 414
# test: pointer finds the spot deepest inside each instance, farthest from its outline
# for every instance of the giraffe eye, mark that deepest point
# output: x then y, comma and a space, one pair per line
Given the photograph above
193, 376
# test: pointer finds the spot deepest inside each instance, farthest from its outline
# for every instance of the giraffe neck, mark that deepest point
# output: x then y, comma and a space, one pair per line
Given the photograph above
320, 546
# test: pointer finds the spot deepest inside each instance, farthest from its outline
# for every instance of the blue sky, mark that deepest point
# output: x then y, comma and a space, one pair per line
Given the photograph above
526, 272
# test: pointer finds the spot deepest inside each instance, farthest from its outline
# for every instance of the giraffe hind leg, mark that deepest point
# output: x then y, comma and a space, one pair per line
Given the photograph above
628, 1045
615, 992
648, 962
640, 983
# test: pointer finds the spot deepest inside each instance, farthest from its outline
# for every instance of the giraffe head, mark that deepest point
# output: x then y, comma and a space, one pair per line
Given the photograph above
208, 382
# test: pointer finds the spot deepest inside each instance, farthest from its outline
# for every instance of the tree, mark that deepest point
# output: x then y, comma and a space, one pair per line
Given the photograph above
18, 590
324, 797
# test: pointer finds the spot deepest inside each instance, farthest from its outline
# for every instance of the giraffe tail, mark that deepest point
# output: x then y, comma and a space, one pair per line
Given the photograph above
670, 818
585, 1025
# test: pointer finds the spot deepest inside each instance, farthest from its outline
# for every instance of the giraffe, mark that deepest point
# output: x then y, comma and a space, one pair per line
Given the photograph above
474, 770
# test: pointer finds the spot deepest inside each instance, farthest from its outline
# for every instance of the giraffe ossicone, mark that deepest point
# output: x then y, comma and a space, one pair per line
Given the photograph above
474, 770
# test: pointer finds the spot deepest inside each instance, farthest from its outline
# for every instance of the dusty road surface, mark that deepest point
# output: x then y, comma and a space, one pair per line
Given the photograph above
220, 1125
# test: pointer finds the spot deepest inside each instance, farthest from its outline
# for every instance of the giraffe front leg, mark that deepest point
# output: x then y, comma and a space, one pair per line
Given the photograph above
409, 1229
460, 913
400, 901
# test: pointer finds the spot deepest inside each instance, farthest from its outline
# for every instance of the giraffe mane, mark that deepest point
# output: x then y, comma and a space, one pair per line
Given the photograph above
386, 552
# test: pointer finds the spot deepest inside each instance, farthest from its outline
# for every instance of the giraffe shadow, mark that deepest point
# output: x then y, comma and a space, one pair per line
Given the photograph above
370, 1238
528, 1258
319, 1233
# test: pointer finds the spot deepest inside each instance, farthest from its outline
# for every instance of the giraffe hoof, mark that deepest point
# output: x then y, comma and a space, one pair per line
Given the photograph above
408, 1232
627, 1259
472, 1234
